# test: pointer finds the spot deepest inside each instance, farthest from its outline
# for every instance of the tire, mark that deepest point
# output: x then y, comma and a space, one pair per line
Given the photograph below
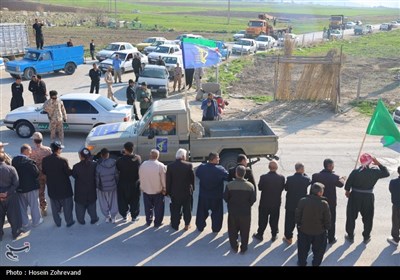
24, 129
29, 72
69, 68
228, 159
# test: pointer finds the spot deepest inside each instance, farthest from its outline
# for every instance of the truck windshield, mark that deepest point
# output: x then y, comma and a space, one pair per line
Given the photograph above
336, 18
32, 56
154, 73
106, 103
255, 23
143, 120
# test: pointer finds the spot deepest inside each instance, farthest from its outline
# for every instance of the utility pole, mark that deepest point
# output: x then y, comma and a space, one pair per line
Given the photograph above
229, 11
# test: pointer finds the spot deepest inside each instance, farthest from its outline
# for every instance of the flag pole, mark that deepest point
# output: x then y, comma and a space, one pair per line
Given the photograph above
359, 153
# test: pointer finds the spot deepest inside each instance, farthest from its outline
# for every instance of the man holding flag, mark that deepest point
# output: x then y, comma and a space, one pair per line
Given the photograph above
360, 184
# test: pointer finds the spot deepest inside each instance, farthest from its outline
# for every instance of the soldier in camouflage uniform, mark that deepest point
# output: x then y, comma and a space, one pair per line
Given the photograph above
39, 151
7, 159
56, 112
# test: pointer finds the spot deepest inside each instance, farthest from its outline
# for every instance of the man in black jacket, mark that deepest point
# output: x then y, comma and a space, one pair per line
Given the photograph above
95, 75
271, 186
331, 181
40, 96
59, 186
240, 196
296, 188
9, 205
131, 97
128, 191
359, 190
244, 161
180, 188
28, 189
32, 87
394, 188
313, 219
136, 65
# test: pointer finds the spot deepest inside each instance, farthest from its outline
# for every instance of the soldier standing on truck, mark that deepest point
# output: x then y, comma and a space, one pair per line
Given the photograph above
37, 31
56, 112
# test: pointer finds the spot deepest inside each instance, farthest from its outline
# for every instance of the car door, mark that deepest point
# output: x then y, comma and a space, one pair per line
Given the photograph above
81, 115
159, 133
45, 63
128, 62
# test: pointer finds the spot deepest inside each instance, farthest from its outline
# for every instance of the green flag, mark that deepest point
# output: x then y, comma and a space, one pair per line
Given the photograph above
382, 124
200, 42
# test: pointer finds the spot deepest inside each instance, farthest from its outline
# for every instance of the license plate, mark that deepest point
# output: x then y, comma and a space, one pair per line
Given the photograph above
46, 126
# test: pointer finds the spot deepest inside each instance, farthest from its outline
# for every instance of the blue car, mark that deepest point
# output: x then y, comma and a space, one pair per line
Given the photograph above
49, 59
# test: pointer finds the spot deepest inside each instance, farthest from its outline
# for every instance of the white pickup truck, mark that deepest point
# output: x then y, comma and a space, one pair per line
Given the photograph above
167, 126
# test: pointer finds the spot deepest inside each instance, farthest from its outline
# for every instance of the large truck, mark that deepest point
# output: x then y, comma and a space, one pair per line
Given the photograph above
50, 59
14, 40
167, 126
336, 22
258, 27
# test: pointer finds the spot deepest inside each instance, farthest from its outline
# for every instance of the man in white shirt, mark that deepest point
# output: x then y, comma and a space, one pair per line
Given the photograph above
152, 183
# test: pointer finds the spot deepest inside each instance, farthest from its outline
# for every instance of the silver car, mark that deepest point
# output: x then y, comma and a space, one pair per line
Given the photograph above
84, 111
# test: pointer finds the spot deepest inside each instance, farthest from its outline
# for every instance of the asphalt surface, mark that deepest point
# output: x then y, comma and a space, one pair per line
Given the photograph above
309, 140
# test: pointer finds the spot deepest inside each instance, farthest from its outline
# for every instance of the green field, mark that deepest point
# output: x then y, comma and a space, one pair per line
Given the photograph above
195, 15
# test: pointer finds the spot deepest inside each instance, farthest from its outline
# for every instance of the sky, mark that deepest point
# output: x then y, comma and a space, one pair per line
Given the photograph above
372, 3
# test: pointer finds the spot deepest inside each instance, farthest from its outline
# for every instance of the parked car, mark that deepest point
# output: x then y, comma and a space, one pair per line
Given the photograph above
126, 58
336, 34
394, 24
170, 62
182, 36
84, 112
240, 35
162, 51
385, 27
396, 115
157, 79
291, 36
148, 41
224, 50
350, 25
265, 42
244, 46
112, 48
362, 29
49, 59
154, 45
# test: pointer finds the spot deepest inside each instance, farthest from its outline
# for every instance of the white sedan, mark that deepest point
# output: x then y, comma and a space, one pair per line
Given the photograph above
265, 42
244, 46
84, 111
126, 58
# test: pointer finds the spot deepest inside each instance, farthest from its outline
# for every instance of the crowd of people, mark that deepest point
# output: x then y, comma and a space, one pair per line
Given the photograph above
118, 185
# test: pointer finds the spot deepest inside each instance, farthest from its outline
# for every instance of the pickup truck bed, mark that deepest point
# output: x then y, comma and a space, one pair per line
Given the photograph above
251, 137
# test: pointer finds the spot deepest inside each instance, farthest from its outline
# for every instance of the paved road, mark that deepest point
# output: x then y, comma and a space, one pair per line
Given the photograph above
309, 140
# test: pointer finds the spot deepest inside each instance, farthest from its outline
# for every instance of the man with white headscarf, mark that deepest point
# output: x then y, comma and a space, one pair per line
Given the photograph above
359, 190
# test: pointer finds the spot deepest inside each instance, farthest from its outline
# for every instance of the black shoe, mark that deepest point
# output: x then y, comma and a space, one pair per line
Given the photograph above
71, 224
94, 221
200, 230
367, 240
58, 225
18, 233
273, 238
235, 249
333, 241
157, 226
82, 223
258, 237
349, 238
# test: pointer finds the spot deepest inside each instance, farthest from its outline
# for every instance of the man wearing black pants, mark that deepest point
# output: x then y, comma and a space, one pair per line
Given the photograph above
296, 188
313, 219
95, 75
359, 190
180, 187
331, 181
128, 191
271, 186
37, 31
239, 195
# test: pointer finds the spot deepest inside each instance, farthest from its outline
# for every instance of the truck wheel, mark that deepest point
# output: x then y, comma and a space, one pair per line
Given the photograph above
69, 68
228, 160
24, 129
28, 73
